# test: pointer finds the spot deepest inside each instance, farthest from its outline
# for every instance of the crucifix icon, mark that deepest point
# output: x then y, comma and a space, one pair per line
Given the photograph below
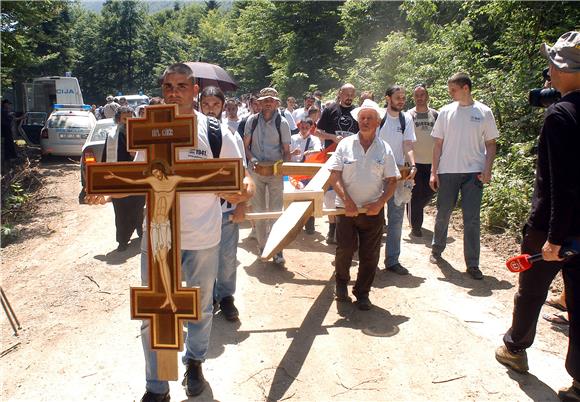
162, 178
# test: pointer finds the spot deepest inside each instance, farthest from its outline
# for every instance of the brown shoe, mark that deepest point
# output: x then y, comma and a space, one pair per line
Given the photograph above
516, 361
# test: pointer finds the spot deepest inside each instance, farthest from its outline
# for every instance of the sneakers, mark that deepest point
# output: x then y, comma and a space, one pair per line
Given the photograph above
570, 394
279, 259
341, 293
193, 380
363, 303
153, 397
475, 272
398, 269
516, 361
435, 258
229, 309
417, 232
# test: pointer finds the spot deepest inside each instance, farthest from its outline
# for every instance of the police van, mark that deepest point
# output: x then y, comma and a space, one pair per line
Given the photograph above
66, 130
42, 93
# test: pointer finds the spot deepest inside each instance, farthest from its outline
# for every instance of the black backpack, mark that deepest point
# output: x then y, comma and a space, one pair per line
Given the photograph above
401, 122
214, 135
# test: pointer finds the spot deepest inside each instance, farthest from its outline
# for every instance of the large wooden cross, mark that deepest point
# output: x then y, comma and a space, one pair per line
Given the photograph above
164, 301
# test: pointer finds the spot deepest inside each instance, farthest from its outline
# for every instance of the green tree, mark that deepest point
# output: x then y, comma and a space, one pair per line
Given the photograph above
122, 33
34, 38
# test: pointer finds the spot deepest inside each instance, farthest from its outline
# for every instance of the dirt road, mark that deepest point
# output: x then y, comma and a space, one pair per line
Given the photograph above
430, 337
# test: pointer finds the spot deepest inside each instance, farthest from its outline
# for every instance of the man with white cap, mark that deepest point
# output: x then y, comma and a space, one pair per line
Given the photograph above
554, 220
363, 174
267, 141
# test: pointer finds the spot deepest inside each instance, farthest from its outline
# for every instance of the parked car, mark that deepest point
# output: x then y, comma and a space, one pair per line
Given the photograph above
92, 150
66, 130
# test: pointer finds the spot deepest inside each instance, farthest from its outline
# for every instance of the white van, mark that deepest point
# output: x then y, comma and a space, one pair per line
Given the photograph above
42, 93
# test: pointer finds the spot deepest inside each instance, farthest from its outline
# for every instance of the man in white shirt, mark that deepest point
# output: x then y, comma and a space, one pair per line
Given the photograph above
364, 174
398, 131
200, 225
301, 113
463, 153
424, 119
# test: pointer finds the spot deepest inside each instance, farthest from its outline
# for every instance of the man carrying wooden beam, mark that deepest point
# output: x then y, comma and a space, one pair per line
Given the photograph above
364, 174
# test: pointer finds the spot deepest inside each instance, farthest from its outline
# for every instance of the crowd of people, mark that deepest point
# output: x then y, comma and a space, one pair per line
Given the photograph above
378, 153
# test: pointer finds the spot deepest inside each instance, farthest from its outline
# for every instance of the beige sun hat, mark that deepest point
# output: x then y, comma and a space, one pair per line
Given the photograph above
565, 54
268, 93
368, 104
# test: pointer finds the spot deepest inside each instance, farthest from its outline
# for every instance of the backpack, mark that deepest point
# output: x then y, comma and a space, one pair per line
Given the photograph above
401, 122
214, 135
277, 122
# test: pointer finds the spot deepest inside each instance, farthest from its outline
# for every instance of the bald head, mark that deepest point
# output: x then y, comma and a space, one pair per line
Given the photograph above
346, 95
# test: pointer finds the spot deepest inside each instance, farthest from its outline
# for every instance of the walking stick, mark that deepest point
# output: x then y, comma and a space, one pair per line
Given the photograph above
9, 312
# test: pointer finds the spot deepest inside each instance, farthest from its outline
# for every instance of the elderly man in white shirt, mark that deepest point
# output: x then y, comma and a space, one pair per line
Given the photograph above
363, 174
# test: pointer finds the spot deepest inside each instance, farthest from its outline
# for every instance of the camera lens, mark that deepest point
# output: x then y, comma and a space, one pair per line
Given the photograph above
543, 97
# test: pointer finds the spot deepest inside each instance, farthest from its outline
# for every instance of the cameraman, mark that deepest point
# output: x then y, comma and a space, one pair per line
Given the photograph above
554, 219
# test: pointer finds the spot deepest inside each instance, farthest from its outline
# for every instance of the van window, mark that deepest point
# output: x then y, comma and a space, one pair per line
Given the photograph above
68, 121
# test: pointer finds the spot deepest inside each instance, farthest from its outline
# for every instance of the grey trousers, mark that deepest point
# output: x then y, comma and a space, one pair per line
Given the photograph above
269, 197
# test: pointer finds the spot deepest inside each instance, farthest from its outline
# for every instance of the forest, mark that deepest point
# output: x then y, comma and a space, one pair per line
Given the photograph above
300, 46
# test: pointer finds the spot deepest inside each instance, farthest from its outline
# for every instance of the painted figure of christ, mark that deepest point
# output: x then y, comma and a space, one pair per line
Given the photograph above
164, 185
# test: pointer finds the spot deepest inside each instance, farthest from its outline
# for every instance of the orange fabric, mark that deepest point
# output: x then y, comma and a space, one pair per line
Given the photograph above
317, 157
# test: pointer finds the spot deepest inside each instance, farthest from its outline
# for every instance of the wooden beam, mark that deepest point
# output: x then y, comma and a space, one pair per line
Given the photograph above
256, 216
298, 169
290, 223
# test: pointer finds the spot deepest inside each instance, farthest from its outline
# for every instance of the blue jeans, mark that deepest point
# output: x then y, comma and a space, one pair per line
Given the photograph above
395, 216
226, 276
471, 189
198, 268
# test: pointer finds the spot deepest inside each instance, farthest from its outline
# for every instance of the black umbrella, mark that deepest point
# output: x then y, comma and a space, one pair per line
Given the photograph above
211, 74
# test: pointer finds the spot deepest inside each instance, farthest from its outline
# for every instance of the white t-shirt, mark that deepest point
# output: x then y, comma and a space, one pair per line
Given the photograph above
290, 120
363, 173
464, 130
392, 133
200, 214
232, 124
299, 142
299, 114
241, 153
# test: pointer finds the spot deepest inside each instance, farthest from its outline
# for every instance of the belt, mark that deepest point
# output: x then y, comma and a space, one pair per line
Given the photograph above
267, 168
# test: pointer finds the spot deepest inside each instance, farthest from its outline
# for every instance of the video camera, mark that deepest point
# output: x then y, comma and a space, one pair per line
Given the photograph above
544, 97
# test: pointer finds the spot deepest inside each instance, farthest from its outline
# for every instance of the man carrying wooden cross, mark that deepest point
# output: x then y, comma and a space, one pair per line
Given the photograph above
200, 223
364, 174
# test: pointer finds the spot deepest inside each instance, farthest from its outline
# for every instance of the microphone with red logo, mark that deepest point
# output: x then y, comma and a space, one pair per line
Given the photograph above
524, 262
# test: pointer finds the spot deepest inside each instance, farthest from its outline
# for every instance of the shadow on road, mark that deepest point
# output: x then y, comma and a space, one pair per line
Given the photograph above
479, 288
375, 322
384, 279
224, 333
294, 358
273, 274
533, 387
115, 257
